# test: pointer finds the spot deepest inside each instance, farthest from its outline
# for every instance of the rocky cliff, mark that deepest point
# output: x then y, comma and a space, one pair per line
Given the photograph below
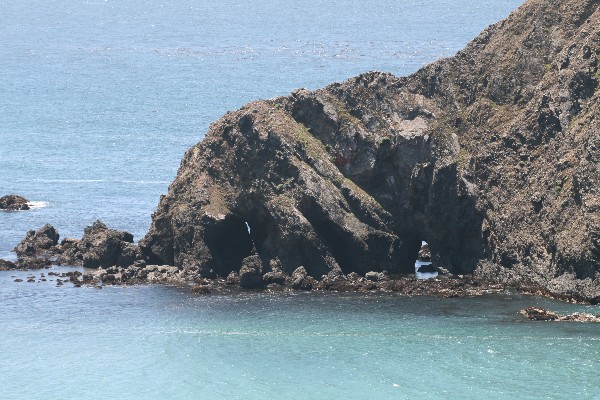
491, 156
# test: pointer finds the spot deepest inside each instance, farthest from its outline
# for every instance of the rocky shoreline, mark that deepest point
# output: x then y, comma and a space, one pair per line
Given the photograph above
111, 258
444, 287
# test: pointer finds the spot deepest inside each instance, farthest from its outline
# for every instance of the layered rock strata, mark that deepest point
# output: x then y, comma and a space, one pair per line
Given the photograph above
491, 156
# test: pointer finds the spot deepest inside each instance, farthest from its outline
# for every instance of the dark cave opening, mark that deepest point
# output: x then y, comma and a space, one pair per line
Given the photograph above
229, 242
405, 254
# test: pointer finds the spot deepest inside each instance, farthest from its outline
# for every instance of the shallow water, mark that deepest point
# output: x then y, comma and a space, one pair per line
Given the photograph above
99, 101
157, 342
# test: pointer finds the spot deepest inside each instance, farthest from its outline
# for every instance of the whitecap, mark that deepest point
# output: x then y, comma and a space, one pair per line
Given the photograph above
38, 204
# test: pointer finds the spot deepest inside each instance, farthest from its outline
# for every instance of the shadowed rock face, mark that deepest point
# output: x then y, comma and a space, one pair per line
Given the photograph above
491, 156
100, 247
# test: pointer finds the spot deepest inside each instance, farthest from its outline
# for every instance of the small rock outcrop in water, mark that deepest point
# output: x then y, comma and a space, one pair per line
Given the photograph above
492, 155
38, 242
540, 314
7, 265
13, 202
428, 268
99, 247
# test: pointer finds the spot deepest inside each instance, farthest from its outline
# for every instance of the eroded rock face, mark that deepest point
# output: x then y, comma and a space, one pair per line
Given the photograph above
6, 265
491, 156
13, 202
100, 247
38, 242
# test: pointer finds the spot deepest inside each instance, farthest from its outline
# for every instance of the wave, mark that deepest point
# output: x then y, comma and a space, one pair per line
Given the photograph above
38, 204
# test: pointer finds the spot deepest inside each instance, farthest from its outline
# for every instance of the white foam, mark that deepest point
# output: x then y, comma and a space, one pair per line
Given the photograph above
38, 204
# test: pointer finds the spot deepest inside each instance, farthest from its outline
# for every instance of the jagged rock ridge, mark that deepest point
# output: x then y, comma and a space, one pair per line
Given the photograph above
491, 156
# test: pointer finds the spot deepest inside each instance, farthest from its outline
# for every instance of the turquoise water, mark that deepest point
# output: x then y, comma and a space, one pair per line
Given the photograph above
98, 102
158, 342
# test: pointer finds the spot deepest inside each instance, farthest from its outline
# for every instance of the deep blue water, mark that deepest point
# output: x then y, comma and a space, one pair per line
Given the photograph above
98, 102
100, 99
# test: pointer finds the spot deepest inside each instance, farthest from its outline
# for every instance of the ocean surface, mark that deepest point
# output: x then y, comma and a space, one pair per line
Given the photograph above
158, 342
98, 102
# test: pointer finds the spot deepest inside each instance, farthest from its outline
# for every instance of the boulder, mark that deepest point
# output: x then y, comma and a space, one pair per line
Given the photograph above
276, 277
102, 247
13, 202
233, 278
301, 280
428, 268
33, 262
7, 265
376, 276
424, 253
251, 273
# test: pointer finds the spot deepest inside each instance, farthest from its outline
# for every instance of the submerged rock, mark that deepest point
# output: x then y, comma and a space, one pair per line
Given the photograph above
540, 314
492, 155
13, 202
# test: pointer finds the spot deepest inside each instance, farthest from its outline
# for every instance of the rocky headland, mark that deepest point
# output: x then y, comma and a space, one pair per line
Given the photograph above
491, 157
